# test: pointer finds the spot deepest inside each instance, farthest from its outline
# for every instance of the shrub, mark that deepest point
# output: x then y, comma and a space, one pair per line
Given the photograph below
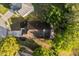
43, 52
3, 9
9, 46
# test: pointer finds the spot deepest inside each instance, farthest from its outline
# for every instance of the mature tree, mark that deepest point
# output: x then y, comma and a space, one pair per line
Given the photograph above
54, 15
69, 39
66, 26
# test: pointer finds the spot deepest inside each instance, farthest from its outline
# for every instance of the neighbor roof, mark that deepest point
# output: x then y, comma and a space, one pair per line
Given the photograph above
26, 9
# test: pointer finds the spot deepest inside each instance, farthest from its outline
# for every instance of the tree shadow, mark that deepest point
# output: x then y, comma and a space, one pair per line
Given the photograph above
16, 23
28, 43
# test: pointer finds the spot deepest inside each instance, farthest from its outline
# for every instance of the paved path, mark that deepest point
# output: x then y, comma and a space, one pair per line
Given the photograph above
3, 28
3, 20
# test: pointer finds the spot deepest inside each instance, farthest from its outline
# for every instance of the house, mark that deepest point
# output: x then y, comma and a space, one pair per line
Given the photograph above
23, 9
37, 29
34, 29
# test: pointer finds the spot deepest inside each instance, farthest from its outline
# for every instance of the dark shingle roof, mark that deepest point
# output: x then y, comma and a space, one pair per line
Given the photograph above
44, 29
38, 25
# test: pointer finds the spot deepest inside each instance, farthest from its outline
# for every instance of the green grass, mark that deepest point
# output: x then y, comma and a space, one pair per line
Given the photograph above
3, 9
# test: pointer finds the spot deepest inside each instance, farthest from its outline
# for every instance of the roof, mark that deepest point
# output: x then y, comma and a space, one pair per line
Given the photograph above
26, 9
36, 25
39, 29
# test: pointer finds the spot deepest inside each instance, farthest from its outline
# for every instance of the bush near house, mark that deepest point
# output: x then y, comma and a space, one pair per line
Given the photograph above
9, 46
43, 52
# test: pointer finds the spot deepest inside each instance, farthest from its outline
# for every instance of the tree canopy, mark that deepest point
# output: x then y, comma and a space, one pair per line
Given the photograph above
9, 46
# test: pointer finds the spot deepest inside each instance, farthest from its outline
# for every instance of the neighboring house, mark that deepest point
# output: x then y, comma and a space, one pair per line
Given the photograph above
26, 29
34, 29
22, 9
37, 29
